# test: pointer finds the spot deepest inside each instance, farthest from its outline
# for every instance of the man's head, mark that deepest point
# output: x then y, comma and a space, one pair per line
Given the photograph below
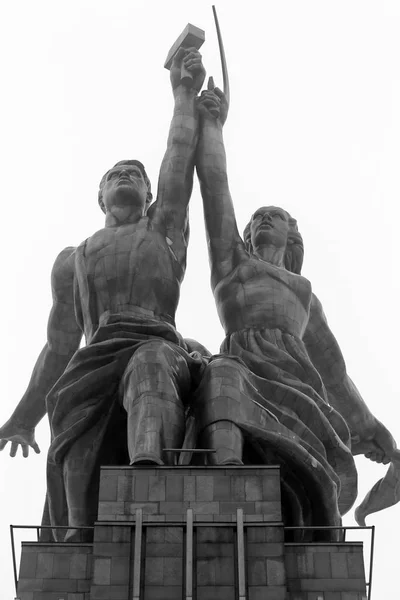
273, 226
125, 183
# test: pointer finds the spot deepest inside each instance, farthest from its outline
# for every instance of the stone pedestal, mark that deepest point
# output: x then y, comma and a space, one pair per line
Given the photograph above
192, 533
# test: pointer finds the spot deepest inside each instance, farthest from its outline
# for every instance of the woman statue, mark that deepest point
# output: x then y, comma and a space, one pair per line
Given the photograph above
279, 392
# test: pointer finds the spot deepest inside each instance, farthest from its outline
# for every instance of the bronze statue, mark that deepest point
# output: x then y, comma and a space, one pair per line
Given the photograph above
120, 288
279, 393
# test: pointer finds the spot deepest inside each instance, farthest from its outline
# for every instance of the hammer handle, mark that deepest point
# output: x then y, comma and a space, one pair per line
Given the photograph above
186, 77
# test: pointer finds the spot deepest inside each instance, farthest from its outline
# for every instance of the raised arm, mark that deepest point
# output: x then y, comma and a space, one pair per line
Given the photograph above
369, 436
176, 174
63, 338
224, 242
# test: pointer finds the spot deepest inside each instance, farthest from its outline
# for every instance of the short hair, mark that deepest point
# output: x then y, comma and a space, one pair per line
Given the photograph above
126, 162
294, 252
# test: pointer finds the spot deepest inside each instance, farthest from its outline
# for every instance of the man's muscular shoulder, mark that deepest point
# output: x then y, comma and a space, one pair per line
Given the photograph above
62, 275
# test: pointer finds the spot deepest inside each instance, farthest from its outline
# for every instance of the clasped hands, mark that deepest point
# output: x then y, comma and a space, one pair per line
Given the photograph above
212, 103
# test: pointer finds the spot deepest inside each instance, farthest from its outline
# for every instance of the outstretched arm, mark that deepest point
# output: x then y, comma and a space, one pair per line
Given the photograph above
63, 338
369, 436
224, 242
176, 174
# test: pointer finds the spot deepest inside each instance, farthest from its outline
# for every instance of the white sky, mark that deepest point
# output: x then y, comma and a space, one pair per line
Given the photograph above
314, 127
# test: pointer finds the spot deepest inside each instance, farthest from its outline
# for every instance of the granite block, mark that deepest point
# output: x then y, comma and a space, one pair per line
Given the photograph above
328, 585
102, 533
355, 565
231, 507
121, 534
237, 489
305, 565
173, 571
162, 593
125, 488
110, 508
26, 595
154, 568
112, 592
256, 572
222, 488
215, 534
44, 565
339, 565
119, 570
60, 585
30, 585
155, 535
108, 486
102, 571
157, 488
271, 511
253, 488
173, 535
78, 567
28, 565
270, 593
322, 565
205, 572
148, 508
174, 488
213, 550
275, 572
106, 549
164, 550
208, 508
141, 488
61, 566
216, 593
189, 488
204, 488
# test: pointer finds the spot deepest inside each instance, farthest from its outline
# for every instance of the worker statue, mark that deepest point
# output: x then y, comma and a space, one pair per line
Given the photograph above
120, 289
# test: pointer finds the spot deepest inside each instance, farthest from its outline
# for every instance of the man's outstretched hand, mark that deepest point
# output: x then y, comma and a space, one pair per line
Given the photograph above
191, 59
18, 435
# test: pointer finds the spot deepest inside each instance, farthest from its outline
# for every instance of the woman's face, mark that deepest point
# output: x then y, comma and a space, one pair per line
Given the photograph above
269, 227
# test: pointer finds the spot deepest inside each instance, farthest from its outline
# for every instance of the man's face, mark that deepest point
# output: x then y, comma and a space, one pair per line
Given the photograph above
269, 227
125, 185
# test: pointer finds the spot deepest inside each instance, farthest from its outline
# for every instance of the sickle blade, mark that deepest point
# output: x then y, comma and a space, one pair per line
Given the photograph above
223, 58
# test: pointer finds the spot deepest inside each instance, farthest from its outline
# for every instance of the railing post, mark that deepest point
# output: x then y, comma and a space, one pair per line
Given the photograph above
137, 567
189, 555
13, 558
240, 554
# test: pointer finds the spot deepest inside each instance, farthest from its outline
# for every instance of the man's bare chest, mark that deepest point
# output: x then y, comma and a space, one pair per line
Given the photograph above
128, 250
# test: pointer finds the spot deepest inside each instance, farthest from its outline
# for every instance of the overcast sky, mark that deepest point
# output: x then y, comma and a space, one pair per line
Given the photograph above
314, 127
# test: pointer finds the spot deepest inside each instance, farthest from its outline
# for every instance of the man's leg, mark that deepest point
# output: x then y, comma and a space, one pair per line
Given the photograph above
155, 380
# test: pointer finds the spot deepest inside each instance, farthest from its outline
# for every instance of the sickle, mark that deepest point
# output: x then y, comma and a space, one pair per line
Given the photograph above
223, 58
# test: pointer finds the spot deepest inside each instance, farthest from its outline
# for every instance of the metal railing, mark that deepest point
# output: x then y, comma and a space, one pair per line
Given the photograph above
196, 524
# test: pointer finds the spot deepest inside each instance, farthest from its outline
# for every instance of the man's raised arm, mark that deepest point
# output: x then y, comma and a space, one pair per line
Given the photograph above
176, 174
63, 338
224, 242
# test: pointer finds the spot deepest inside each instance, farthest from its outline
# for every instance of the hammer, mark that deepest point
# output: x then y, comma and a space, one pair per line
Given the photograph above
191, 37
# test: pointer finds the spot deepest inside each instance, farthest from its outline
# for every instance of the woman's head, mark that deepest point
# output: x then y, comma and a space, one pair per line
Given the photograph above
274, 226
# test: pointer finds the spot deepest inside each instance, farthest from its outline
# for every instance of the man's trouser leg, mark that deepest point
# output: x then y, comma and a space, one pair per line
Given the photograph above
155, 380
